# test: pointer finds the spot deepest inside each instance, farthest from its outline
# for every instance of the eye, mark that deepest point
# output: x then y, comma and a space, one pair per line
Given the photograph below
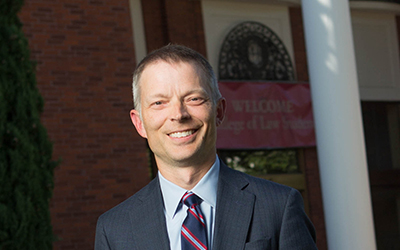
196, 100
158, 104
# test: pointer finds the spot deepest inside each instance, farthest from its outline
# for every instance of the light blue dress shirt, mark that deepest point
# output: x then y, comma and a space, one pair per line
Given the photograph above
175, 212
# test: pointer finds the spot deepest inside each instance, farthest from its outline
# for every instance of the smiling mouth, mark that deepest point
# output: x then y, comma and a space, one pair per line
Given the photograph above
182, 133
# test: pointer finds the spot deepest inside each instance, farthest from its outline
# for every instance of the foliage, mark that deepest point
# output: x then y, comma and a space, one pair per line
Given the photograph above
260, 162
26, 168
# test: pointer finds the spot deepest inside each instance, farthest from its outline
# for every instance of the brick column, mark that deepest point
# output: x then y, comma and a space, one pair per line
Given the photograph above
316, 210
178, 21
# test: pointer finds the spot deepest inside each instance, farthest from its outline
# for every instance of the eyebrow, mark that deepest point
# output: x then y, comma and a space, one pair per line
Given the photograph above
197, 91
193, 91
158, 95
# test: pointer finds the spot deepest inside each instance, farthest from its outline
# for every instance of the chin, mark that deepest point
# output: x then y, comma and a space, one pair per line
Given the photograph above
187, 159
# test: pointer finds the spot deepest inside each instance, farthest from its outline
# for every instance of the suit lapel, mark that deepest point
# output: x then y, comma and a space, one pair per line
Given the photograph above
234, 210
148, 220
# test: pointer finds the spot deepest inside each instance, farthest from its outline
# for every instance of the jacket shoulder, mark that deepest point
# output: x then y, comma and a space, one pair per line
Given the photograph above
255, 184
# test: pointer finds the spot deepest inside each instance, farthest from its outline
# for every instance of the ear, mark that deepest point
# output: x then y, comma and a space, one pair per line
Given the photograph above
221, 109
135, 118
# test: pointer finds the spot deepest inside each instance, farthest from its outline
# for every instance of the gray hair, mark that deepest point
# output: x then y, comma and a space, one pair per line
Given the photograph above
176, 54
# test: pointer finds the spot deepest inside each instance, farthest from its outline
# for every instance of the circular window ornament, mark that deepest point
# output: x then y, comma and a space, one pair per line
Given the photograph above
252, 51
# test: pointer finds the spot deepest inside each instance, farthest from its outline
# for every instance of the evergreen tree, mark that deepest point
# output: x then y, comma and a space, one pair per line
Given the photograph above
26, 168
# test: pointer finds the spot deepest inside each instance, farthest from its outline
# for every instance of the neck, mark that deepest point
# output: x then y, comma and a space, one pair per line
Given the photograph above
185, 177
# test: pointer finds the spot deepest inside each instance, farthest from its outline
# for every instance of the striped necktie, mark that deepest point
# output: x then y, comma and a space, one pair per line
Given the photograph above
194, 231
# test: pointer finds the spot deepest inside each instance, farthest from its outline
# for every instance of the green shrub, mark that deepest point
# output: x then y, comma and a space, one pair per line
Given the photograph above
26, 167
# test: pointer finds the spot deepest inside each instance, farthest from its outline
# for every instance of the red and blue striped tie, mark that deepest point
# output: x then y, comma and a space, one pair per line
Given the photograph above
194, 231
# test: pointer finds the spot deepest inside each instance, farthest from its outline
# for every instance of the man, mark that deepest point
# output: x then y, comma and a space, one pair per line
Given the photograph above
178, 108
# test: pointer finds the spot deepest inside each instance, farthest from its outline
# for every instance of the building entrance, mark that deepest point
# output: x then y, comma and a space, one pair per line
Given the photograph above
251, 51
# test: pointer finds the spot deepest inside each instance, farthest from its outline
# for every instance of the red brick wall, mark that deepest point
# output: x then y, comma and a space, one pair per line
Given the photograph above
299, 44
85, 56
310, 154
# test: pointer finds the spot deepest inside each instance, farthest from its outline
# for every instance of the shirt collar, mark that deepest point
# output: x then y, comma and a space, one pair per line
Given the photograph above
206, 189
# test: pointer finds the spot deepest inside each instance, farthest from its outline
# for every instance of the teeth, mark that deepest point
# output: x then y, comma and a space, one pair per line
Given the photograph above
181, 134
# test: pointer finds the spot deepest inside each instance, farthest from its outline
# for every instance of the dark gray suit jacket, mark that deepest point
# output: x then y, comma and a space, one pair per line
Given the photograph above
251, 213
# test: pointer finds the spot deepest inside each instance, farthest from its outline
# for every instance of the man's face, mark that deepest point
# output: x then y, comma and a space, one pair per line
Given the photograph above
178, 116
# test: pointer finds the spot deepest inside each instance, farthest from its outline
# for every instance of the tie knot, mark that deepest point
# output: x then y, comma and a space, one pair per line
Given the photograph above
190, 199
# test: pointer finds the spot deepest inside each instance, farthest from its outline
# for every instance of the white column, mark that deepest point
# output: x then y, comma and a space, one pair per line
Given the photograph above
339, 131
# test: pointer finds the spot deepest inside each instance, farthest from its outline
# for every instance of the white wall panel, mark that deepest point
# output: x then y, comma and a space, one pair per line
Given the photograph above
377, 56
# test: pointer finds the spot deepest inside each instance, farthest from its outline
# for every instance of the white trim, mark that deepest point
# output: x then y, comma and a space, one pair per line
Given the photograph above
272, 2
139, 38
373, 6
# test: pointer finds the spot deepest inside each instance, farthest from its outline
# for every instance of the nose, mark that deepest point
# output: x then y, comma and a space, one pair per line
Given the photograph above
179, 112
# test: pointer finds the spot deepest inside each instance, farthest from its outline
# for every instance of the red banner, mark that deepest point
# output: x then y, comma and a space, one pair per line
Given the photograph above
266, 115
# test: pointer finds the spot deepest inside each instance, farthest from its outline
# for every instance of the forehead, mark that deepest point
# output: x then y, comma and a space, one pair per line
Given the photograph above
171, 74
156, 65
